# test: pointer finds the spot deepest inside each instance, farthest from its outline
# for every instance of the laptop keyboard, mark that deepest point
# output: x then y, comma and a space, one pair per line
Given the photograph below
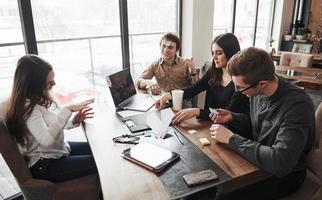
140, 102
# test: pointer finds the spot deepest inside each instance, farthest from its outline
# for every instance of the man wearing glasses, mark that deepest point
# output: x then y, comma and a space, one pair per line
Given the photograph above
281, 120
170, 71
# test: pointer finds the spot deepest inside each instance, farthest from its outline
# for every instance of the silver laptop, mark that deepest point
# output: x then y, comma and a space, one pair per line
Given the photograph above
124, 94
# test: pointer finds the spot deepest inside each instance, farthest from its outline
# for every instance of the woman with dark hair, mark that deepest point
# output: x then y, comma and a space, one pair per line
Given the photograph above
220, 89
36, 122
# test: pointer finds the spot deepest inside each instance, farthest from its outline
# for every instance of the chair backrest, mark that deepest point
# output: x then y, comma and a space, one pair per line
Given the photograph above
302, 48
296, 59
314, 159
11, 154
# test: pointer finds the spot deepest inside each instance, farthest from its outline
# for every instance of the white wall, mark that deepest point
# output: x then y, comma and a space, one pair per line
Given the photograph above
197, 23
282, 20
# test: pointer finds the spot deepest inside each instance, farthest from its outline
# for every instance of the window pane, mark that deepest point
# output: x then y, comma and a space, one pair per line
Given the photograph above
245, 22
9, 56
148, 20
263, 24
11, 46
147, 16
223, 16
73, 18
145, 49
84, 44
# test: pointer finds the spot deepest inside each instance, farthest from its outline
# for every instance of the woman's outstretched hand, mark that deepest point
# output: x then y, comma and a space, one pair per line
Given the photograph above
82, 115
80, 106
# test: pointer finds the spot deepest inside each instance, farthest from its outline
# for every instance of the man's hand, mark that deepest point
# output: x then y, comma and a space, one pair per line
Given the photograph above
220, 133
185, 114
190, 64
222, 117
155, 89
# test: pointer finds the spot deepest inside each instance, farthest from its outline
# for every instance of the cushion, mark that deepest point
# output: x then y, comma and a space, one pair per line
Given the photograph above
296, 59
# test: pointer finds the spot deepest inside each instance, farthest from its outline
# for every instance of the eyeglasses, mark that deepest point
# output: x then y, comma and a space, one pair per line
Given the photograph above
238, 89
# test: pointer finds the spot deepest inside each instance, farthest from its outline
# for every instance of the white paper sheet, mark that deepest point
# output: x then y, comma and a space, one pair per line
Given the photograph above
159, 120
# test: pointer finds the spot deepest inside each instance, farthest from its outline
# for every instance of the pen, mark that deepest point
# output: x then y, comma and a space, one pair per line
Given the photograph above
180, 140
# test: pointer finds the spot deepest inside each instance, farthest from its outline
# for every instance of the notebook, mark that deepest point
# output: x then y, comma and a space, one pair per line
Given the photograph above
150, 156
124, 94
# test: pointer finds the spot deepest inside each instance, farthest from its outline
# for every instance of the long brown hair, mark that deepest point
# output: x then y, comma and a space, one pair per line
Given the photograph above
230, 45
29, 88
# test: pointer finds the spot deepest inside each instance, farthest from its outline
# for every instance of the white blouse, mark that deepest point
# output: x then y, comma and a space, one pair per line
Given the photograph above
46, 138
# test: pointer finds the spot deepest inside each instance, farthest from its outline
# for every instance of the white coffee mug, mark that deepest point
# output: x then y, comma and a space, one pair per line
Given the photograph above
177, 96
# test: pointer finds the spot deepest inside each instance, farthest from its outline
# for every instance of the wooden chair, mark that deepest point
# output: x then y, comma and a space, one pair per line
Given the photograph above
84, 188
296, 59
312, 186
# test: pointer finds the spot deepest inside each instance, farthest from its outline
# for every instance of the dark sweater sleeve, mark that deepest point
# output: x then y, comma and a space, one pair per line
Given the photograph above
239, 103
281, 157
239, 106
198, 87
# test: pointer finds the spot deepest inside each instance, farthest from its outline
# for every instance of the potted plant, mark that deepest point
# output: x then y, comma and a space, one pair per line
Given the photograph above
302, 33
288, 36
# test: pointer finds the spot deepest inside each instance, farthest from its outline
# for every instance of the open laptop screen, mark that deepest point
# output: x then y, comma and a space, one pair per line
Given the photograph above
121, 86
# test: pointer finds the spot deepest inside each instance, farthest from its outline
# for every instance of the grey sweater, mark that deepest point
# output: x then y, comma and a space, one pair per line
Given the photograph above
283, 130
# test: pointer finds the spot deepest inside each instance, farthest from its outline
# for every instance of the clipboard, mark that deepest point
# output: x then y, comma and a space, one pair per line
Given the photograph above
150, 156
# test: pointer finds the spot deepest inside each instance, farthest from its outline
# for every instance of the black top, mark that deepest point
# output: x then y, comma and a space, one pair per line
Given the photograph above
218, 96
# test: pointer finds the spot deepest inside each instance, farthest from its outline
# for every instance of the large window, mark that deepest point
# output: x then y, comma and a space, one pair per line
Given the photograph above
245, 22
82, 41
148, 20
223, 16
263, 36
11, 45
242, 22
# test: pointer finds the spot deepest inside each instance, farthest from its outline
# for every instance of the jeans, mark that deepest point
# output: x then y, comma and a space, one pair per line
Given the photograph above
79, 163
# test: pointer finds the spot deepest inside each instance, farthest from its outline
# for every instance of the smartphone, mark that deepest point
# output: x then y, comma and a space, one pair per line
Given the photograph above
200, 177
213, 112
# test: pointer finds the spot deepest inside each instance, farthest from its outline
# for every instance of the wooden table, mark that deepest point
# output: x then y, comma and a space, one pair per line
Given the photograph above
317, 58
308, 77
121, 179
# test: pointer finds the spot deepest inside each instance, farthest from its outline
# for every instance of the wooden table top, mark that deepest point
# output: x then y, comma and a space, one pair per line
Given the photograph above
309, 77
121, 179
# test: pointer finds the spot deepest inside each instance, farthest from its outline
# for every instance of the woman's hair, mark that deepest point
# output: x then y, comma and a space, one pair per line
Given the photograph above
230, 45
29, 88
